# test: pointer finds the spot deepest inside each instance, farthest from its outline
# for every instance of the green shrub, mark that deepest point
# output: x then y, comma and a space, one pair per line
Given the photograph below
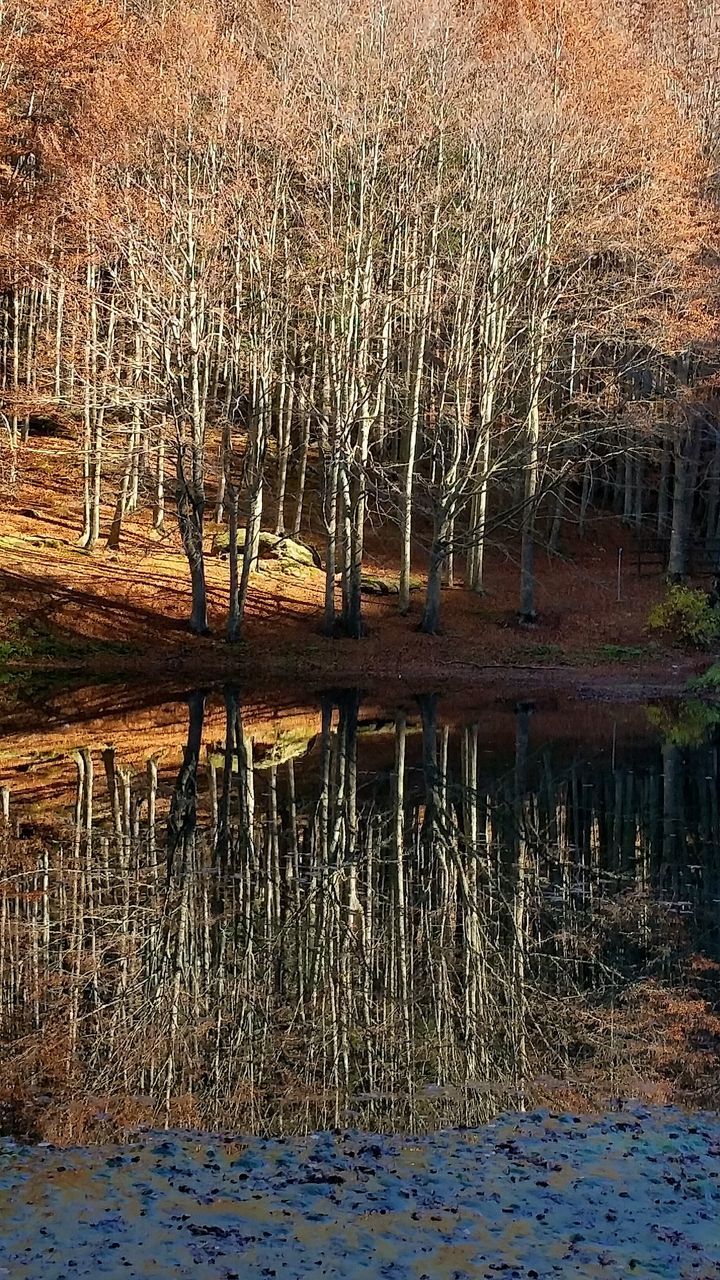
29, 642
687, 615
687, 725
708, 682
16, 647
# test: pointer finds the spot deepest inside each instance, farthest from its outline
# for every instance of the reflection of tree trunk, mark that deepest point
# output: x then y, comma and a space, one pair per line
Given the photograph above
295, 894
523, 712
401, 913
222, 839
79, 803
519, 904
342, 879
108, 759
318, 883
475, 959
361, 947
246, 793
428, 715
152, 777
183, 806
179, 964
672, 812
83, 835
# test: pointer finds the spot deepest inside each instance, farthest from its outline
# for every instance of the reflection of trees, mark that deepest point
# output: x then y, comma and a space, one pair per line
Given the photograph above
182, 821
391, 931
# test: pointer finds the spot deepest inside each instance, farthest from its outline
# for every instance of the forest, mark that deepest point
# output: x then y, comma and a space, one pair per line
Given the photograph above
282, 278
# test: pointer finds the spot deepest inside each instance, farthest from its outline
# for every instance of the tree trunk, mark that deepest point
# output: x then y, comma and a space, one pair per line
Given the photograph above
233, 631
527, 553
159, 503
478, 521
331, 503
430, 621
686, 465
191, 509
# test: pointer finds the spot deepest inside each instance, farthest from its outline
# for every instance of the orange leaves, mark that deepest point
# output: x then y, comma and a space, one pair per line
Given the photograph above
66, 38
53, 50
58, 54
323, 90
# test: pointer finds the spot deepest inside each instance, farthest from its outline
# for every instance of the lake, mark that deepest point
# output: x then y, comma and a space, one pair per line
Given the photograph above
288, 914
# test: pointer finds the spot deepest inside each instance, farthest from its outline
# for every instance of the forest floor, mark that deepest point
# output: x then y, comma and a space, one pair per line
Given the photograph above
125, 611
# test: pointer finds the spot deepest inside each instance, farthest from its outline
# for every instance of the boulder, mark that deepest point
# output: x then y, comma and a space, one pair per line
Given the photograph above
268, 543
298, 552
378, 587
272, 546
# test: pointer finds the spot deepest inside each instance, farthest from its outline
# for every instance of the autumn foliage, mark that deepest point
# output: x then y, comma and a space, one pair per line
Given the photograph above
397, 253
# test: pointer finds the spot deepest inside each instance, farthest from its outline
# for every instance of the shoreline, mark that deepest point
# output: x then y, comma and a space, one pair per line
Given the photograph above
222, 1216
121, 615
208, 666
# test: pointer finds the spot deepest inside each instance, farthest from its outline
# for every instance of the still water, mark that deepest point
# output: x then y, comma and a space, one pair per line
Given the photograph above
283, 916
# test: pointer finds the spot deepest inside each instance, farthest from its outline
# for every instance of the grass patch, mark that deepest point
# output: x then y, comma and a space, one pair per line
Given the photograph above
28, 643
553, 654
24, 685
557, 655
621, 652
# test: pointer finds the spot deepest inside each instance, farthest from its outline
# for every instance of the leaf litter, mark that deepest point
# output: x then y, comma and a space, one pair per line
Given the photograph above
634, 1193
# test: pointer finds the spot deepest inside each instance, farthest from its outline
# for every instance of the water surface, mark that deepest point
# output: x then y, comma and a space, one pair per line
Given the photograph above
292, 915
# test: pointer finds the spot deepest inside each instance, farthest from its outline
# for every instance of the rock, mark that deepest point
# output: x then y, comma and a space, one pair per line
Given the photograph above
298, 552
268, 543
220, 545
41, 540
273, 546
378, 587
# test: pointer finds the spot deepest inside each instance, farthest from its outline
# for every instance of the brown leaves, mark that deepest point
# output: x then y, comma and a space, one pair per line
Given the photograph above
53, 53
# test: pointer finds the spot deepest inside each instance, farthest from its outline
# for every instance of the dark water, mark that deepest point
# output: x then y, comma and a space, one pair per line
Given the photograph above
346, 915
